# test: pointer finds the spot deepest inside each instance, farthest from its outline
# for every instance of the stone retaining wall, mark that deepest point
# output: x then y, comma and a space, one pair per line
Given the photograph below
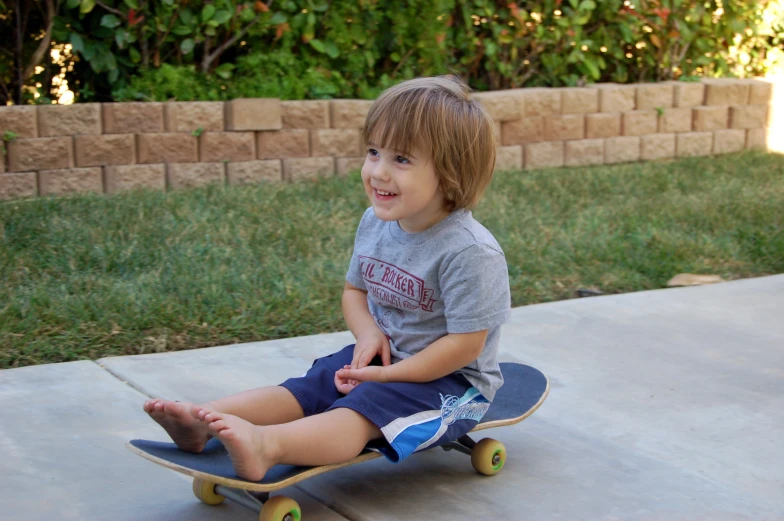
61, 149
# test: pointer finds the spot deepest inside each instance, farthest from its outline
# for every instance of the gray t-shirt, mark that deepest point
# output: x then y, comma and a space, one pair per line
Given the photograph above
450, 278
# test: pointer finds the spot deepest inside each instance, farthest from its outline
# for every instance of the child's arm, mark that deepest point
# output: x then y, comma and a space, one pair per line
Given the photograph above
370, 339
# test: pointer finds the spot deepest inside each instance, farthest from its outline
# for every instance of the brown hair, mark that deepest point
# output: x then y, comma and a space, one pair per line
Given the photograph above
438, 114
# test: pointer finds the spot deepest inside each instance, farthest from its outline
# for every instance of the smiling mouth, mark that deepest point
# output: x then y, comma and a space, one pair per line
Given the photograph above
383, 193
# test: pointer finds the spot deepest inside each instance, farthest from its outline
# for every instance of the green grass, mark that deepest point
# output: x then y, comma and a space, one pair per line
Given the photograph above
92, 276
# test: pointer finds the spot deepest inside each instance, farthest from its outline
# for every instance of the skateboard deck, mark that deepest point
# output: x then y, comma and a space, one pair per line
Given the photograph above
525, 389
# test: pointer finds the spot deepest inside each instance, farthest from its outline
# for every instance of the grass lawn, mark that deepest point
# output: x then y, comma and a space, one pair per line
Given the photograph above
90, 276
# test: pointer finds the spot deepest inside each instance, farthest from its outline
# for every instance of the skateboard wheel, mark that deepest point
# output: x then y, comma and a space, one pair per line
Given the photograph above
205, 491
488, 456
280, 508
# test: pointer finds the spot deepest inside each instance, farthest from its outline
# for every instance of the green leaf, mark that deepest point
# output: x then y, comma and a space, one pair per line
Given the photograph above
86, 6
186, 15
587, 5
133, 4
321, 7
168, 2
246, 15
77, 43
110, 21
224, 71
222, 16
207, 12
181, 30
210, 31
311, 20
89, 50
121, 37
72, 3
331, 49
187, 45
113, 75
135, 56
318, 45
278, 18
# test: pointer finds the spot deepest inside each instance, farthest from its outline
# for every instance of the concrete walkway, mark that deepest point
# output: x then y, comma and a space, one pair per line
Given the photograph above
665, 405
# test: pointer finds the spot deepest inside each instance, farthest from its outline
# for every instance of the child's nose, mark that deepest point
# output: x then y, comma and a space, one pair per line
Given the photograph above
379, 171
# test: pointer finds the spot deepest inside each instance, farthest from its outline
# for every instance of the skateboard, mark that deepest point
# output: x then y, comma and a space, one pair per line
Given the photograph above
214, 480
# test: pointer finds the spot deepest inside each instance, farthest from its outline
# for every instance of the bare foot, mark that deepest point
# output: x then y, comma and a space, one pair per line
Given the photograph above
176, 418
249, 446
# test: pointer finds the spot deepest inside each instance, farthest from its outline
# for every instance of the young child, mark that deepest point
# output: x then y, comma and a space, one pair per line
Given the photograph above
426, 293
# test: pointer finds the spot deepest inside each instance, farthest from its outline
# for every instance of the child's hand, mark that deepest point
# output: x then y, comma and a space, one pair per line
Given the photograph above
369, 344
344, 385
371, 373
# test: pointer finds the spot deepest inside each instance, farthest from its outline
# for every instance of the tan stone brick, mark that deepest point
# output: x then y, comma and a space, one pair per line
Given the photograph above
756, 139
130, 118
349, 113
602, 125
168, 147
308, 168
71, 181
585, 152
508, 158
25, 155
579, 100
622, 149
750, 116
522, 131
227, 146
675, 120
250, 172
19, 184
281, 144
346, 165
305, 114
544, 155
497, 132
188, 116
691, 144
335, 142
541, 102
2, 161
69, 120
761, 92
254, 114
726, 92
192, 175
729, 141
657, 146
501, 105
563, 128
615, 98
640, 122
108, 149
710, 118
21, 120
655, 95
134, 177
689, 94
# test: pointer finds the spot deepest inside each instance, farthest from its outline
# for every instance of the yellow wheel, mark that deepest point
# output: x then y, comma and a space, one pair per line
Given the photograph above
488, 457
205, 491
280, 508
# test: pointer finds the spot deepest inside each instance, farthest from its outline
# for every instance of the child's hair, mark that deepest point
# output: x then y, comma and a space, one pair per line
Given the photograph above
438, 114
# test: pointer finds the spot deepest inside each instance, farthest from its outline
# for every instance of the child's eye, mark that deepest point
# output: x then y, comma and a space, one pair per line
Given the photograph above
373, 152
402, 160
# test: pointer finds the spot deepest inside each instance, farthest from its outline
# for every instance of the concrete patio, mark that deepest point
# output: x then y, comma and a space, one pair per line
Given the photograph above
665, 405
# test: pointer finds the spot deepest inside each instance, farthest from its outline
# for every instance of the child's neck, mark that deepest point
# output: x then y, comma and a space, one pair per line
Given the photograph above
414, 225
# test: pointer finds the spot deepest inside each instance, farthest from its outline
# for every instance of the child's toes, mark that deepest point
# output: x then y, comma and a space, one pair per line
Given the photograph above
217, 426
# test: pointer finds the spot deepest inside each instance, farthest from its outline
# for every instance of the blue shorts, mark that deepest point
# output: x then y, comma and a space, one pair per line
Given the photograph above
411, 416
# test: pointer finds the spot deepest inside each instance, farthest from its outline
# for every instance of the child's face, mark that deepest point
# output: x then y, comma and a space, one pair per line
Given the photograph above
403, 188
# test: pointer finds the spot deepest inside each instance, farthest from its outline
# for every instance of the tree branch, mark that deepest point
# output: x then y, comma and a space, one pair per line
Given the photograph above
211, 57
112, 10
43, 47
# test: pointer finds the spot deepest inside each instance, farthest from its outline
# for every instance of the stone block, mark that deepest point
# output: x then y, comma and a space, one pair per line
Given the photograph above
281, 144
227, 146
749, 116
307, 168
108, 149
655, 96
69, 120
188, 116
254, 114
26, 155
675, 120
689, 94
756, 139
193, 175
690, 144
168, 147
132, 118
71, 181
349, 113
622, 149
585, 152
21, 120
251, 172
729, 141
522, 131
508, 158
710, 118
346, 165
563, 128
305, 114
615, 98
657, 146
134, 177
19, 184
501, 105
602, 125
544, 155
726, 92
761, 92
335, 142
640, 122
497, 132
541, 102
579, 100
